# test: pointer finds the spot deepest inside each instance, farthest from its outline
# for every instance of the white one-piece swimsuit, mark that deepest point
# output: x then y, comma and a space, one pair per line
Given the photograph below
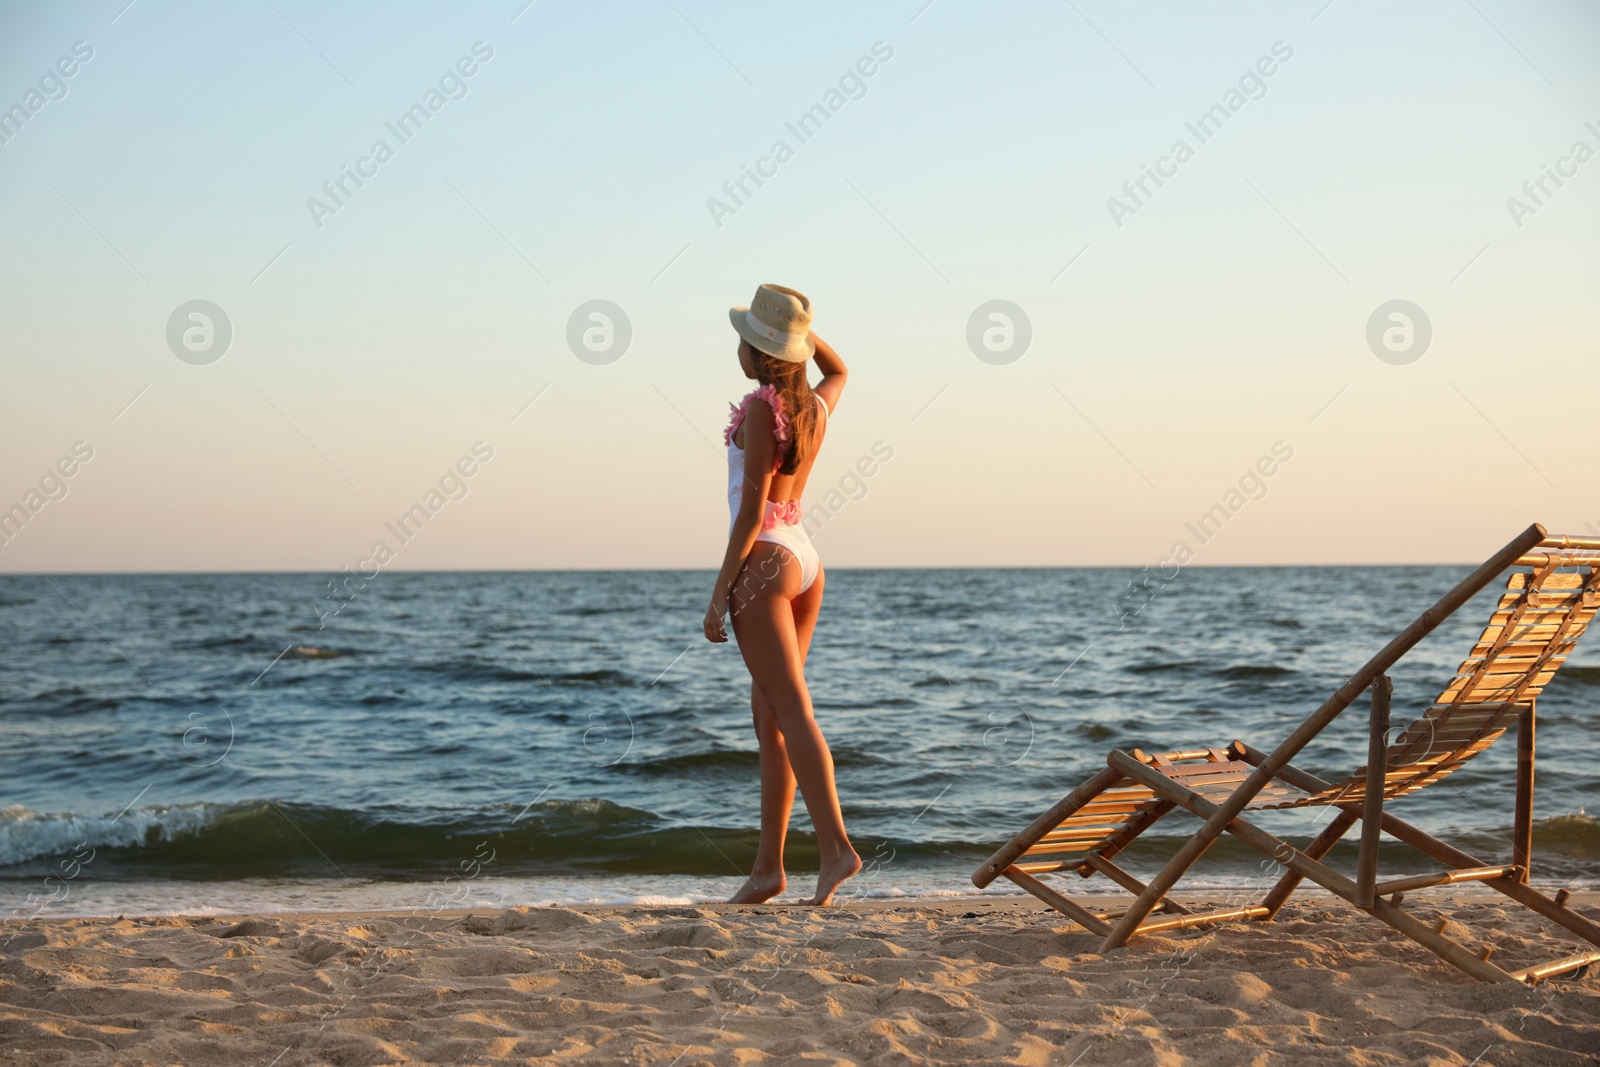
780, 520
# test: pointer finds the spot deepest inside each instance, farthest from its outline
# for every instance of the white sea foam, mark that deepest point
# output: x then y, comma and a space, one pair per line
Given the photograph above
27, 834
256, 896
655, 900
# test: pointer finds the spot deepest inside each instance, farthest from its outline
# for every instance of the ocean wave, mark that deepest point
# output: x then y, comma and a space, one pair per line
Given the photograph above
590, 836
68, 700
1162, 668
312, 652
282, 838
1578, 830
599, 677
227, 641
1253, 670
27, 835
474, 670
715, 761
733, 760
869, 703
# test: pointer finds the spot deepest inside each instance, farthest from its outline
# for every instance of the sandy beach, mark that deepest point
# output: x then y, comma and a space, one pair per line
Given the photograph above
960, 981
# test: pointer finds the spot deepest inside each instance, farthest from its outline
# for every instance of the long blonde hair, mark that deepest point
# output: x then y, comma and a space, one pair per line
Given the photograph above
790, 380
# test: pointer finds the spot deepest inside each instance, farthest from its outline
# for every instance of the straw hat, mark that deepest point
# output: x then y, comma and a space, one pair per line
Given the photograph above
777, 322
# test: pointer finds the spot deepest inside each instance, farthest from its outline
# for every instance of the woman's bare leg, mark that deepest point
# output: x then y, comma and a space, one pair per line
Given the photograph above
767, 878
764, 623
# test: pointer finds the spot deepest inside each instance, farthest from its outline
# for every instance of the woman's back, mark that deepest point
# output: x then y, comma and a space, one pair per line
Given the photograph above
783, 486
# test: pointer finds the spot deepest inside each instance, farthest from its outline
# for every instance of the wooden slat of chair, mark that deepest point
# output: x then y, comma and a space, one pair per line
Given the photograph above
1507, 669
1062, 848
1559, 580
1510, 659
1505, 631
1117, 842
1538, 630
1031, 867
1106, 809
1456, 718
1507, 690
1515, 648
1516, 607
1520, 606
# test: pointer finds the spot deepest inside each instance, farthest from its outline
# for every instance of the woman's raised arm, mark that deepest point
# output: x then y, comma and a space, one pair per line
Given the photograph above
834, 373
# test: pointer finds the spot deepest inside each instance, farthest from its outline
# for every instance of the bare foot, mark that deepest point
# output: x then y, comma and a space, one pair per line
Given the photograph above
759, 888
833, 875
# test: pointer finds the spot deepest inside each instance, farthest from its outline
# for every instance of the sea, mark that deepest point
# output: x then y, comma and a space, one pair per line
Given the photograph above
240, 743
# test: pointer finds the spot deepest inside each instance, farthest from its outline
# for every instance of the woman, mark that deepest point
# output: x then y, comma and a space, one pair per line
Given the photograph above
772, 580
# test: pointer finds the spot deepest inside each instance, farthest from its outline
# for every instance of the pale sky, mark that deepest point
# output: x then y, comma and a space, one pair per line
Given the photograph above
1174, 341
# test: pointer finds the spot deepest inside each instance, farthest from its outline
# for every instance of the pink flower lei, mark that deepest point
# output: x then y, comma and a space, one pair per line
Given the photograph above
780, 421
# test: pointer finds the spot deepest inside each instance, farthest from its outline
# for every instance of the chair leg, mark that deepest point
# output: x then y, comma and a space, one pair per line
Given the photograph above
1432, 940
1447, 854
1158, 887
1522, 827
1097, 862
1066, 906
1307, 867
1523, 894
1318, 848
1283, 852
1372, 803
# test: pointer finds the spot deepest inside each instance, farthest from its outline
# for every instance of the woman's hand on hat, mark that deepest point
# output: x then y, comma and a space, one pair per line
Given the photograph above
834, 372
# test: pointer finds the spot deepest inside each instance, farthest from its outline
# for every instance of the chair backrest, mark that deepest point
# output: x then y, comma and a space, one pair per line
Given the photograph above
1534, 626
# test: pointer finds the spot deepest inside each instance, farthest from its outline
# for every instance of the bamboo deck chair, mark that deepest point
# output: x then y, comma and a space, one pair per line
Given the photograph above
1551, 596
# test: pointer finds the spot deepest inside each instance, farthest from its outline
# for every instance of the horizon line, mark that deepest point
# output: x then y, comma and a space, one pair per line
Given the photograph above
712, 570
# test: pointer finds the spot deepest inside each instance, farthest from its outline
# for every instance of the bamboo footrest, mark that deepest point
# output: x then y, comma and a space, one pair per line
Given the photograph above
1460, 874
1181, 922
1536, 974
